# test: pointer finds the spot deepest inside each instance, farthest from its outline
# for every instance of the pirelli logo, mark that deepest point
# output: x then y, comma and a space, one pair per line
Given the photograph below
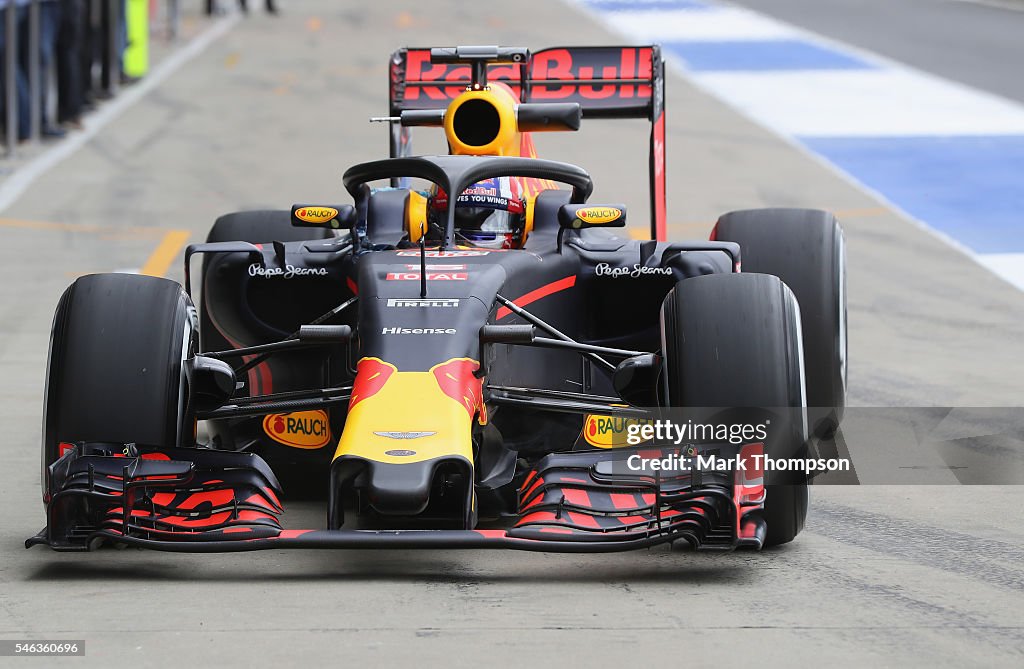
424, 302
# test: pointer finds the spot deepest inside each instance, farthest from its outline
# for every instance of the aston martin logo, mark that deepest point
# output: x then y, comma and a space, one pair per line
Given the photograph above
404, 435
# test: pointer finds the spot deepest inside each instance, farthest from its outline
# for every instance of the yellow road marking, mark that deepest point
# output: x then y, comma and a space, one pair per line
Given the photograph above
157, 264
81, 227
164, 254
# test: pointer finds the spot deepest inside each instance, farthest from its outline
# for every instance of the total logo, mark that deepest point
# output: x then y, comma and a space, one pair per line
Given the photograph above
431, 276
443, 254
609, 431
302, 429
417, 331
439, 303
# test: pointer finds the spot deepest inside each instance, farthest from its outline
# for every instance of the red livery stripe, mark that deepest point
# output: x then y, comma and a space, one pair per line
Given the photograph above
540, 293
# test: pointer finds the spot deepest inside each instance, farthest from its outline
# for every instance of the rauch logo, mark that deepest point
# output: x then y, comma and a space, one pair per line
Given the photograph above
302, 429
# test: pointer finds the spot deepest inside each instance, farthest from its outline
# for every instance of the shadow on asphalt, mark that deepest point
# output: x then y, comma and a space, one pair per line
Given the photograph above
664, 566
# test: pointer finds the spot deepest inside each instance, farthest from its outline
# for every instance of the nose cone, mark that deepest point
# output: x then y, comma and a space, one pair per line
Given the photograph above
405, 429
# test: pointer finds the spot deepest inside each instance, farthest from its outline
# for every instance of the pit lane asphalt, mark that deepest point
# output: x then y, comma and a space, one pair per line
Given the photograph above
272, 114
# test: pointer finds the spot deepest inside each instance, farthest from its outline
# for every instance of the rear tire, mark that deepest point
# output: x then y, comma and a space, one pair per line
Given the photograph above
733, 341
805, 248
261, 226
115, 365
256, 227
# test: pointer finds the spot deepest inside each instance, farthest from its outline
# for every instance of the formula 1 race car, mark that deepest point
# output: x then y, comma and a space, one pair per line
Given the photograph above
465, 357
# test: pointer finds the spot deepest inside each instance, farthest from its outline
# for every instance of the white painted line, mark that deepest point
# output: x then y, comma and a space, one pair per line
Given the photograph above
1009, 266
881, 198
596, 4
863, 103
1010, 5
1006, 265
700, 25
23, 177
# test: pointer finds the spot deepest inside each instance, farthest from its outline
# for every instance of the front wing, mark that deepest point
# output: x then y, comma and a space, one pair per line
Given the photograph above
198, 500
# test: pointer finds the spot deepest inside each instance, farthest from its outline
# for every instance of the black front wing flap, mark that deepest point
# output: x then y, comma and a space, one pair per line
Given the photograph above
197, 500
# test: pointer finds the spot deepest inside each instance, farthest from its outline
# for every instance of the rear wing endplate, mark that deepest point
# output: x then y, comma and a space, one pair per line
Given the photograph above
607, 82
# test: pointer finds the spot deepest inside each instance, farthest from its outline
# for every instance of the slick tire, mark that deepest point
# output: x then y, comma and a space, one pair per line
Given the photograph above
256, 227
732, 341
805, 248
114, 372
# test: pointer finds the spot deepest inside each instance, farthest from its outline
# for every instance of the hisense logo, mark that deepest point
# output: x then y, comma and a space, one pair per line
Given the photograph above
417, 331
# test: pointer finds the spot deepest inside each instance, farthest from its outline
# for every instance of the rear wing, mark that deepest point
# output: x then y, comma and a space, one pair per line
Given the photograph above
607, 82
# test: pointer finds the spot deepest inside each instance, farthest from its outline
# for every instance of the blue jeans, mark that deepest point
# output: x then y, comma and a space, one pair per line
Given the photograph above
49, 26
21, 80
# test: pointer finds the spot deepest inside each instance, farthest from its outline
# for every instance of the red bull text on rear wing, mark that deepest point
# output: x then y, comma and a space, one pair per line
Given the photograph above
607, 82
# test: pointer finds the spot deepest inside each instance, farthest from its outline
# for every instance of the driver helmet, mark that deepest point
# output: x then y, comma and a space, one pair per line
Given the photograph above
490, 213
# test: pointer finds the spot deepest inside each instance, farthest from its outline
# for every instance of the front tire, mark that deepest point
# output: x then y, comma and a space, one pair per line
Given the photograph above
115, 364
733, 341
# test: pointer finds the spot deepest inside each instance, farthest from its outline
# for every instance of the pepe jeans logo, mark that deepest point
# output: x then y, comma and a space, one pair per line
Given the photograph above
286, 272
637, 270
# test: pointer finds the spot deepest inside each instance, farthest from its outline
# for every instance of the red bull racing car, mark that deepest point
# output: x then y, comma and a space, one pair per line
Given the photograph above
466, 356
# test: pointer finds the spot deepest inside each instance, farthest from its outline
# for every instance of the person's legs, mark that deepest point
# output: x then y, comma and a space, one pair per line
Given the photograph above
69, 62
49, 25
21, 68
88, 52
122, 38
3, 72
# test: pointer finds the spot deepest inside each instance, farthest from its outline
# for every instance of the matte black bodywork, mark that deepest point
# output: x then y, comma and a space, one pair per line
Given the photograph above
593, 285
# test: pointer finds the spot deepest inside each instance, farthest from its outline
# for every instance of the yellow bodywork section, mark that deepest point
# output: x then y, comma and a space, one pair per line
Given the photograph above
409, 402
416, 216
508, 140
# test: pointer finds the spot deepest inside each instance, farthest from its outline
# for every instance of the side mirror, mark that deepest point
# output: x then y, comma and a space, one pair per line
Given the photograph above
576, 216
548, 116
636, 380
320, 216
211, 383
